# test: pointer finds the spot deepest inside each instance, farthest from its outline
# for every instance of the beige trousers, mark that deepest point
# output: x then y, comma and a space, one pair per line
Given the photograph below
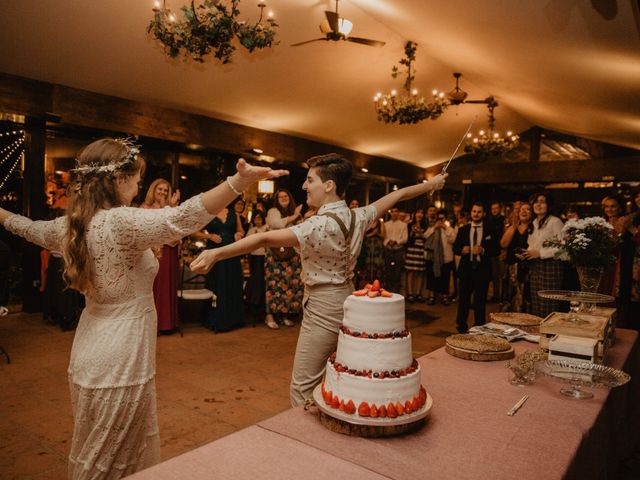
322, 316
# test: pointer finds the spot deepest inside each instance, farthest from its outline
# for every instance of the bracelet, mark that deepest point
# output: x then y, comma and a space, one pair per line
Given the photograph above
233, 189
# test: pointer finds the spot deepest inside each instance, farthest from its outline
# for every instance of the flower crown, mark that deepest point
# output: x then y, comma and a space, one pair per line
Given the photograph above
91, 169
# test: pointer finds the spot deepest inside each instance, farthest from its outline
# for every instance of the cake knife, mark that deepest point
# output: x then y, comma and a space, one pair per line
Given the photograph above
517, 406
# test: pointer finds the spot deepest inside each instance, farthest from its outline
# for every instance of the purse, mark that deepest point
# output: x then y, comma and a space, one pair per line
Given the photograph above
282, 253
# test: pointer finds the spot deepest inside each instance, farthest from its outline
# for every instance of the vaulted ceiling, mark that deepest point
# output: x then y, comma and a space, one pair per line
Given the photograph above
566, 65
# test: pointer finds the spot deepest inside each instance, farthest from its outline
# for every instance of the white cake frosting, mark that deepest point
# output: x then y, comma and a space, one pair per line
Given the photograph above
377, 354
372, 390
374, 315
375, 347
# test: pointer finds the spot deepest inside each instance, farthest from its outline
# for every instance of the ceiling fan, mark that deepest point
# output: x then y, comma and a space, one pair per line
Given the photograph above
336, 28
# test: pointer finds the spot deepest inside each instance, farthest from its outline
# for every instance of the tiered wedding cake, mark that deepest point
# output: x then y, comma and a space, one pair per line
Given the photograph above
373, 372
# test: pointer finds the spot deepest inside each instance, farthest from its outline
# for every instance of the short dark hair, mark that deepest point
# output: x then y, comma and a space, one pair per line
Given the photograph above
478, 203
333, 167
442, 211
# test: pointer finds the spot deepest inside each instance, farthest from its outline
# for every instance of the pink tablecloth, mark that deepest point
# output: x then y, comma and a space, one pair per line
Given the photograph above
468, 434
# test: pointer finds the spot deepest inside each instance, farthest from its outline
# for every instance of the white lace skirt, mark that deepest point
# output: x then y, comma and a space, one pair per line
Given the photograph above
115, 431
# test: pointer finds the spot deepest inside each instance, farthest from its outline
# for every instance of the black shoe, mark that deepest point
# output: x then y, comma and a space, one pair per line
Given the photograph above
431, 301
445, 301
462, 329
411, 299
420, 299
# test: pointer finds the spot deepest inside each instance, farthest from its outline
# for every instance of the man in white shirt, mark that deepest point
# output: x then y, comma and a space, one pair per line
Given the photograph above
395, 237
329, 244
442, 261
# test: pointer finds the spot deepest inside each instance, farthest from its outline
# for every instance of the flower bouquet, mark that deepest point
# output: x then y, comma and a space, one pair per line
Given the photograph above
589, 244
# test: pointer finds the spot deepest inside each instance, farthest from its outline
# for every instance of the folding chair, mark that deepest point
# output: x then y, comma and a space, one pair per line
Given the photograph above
192, 290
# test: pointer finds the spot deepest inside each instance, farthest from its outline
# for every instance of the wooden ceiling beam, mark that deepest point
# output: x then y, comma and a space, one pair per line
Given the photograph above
88, 109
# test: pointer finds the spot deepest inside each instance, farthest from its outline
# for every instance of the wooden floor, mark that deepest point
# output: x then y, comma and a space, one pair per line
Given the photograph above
209, 385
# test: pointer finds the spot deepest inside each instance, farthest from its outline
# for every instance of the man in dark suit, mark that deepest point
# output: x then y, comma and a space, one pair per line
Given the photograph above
476, 243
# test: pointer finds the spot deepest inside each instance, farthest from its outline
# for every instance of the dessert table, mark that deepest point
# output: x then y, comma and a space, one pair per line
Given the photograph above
468, 434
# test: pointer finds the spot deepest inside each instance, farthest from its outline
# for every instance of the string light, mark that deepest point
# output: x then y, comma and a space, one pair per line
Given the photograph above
9, 150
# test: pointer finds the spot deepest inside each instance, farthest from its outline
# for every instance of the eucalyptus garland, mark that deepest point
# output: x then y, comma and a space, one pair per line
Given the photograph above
209, 28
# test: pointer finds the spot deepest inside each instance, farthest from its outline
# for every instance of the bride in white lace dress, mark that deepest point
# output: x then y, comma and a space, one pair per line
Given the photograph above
106, 246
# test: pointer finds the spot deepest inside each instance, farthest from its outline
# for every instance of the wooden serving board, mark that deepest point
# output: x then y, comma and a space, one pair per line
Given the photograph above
368, 431
479, 356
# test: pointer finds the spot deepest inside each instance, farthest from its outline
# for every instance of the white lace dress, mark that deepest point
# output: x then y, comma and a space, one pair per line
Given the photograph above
112, 366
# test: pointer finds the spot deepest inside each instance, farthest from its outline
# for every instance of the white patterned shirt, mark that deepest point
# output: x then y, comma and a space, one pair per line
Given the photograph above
322, 243
536, 239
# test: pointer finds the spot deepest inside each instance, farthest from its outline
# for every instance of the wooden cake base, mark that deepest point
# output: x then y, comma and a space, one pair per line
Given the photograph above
357, 426
479, 348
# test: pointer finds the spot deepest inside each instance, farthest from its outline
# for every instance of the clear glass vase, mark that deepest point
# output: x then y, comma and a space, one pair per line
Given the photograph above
589, 278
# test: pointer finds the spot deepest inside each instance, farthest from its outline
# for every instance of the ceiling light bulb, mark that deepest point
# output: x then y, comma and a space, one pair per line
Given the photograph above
481, 132
475, 140
259, 151
344, 26
414, 92
270, 14
434, 92
365, 170
496, 135
469, 135
156, 4
393, 93
172, 17
514, 138
384, 102
441, 95
509, 133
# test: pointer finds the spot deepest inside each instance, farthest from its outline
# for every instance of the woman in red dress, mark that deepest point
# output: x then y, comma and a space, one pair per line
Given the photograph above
165, 286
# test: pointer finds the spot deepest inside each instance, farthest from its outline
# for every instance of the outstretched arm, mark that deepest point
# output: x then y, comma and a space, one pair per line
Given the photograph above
219, 197
275, 238
407, 193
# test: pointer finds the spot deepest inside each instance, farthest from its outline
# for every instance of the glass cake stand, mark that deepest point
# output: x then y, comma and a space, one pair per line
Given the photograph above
581, 374
578, 301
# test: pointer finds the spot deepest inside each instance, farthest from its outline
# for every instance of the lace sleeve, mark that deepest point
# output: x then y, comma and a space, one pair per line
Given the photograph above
47, 234
144, 228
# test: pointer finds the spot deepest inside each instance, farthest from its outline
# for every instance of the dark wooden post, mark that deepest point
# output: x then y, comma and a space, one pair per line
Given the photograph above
34, 207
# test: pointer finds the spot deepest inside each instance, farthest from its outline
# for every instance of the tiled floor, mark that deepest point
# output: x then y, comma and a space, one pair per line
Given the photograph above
209, 385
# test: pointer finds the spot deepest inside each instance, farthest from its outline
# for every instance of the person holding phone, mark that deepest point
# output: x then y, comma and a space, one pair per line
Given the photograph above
515, 240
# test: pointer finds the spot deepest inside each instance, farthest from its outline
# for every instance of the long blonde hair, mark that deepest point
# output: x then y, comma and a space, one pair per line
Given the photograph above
150, 199
99, 166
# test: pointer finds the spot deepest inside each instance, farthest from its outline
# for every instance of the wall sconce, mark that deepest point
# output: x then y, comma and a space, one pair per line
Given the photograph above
266, 187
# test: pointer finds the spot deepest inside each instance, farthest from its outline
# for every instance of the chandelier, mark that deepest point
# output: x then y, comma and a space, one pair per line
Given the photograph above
208, 28
408, 107
490, 142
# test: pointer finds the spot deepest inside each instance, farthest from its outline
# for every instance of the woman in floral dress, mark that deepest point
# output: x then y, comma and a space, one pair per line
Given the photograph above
283, 268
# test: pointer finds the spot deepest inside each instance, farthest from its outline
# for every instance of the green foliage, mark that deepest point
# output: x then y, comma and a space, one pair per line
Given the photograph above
209, 28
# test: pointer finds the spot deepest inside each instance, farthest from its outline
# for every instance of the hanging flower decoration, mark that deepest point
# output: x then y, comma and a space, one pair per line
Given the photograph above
408, 107
490, 142
210, 28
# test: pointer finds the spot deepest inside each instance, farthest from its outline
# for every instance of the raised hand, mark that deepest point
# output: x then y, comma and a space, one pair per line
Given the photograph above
249, 174
175, 199
437, 182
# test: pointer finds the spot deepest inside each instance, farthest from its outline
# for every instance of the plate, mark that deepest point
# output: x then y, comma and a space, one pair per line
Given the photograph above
572, 296
376, 422
583, 373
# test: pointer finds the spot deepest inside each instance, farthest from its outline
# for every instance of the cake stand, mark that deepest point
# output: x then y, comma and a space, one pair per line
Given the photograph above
355, 425
578, 301
581, 374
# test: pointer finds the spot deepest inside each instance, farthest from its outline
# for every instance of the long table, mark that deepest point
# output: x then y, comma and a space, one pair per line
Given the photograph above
468, 434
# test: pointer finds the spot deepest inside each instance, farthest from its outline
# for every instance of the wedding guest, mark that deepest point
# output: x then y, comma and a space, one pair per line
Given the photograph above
106, 248
255, 288
396, 235
282, 266
329, 250
165, 285
475, 244
612, 209
515, 241
370, 264
226, 279
496, 221
440, 237
238, 207
629, 287
414, 259
354, 203
545, 272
